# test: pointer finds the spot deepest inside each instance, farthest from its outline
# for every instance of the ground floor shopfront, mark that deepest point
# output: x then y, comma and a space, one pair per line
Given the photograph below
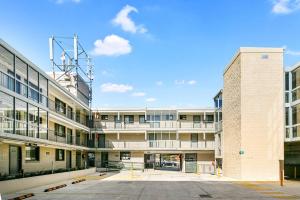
189, 161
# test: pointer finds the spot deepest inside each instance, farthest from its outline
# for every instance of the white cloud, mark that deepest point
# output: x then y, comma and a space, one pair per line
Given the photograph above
285, 6
65, 1
151, 99
159, 83
192, 82
139, 94
111, 45
183, 82
122, 19
179, 82
117, 88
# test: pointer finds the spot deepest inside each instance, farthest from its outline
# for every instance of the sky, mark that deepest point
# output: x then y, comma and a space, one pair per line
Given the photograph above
153, 53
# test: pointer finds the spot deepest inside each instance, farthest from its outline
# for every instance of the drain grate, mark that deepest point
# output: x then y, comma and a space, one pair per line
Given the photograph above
205, 196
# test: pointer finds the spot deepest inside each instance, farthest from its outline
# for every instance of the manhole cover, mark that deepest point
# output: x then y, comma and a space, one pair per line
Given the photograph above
205, 196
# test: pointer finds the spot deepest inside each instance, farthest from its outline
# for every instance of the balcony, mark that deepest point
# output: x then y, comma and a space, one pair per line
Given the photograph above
79, 118
158, 144
158, 125
219, 126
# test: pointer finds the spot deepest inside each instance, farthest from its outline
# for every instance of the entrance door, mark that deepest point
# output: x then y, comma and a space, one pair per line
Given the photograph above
104, 159
149, 160
191, 163
194, 140
101, 141
15, 159
78, 159
68, 159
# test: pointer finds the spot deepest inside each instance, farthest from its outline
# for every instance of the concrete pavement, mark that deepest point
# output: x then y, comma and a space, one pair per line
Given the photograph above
159, 185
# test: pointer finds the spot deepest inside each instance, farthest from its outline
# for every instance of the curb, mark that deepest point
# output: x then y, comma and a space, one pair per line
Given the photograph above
55, 188
22, 197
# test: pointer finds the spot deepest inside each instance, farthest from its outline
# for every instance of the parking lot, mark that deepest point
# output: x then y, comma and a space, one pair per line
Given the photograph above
135, 185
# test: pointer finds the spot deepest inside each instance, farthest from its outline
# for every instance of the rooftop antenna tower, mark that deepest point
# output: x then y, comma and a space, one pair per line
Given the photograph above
69, 58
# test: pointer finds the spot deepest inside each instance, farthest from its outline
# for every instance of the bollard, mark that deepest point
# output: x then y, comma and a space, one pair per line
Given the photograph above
295, 172
0, 197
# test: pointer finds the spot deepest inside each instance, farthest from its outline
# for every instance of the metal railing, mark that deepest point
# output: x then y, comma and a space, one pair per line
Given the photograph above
64, 111
153, 125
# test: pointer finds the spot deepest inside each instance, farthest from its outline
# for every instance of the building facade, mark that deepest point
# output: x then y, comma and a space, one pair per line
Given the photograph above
43, 126
292, 121
178, 139
253, 110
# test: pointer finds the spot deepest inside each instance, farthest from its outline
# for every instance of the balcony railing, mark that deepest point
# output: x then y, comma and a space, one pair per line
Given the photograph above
157, 144
64, 111
154, 125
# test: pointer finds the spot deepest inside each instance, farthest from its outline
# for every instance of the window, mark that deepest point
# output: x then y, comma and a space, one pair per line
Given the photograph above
33, 120
60, 155
125, 155
142, 119
21, 77
209, 118
32, 153
287, 81
196, 118
128, 119
287, 116
60, 130
33, 84
6, 113
43, 123
104, 117
60, 106
169, 117
182, 117
21, 117
43, 83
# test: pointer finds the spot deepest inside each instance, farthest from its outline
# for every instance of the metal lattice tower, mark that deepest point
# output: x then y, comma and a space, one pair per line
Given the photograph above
70, 60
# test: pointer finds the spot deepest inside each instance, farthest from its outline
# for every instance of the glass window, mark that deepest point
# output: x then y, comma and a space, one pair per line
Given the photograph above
33, 84
32, 153
33, 120
170, 117
60, 106
286, 80
104, 117
21, 117
6, 60
43, 125
43, 83
287, 116
21, 77
296, 78
125, 155
209, 118
286, 97
142, 119
60, 130
6, 113
182, 117
196, 118
60, 155
128, 119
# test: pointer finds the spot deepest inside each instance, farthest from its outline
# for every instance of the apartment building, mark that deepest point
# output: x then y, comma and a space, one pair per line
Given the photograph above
292, 121
176, 139
218, 129
43, 126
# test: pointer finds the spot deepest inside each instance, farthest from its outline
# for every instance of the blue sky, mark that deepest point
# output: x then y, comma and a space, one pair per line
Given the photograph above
154, 53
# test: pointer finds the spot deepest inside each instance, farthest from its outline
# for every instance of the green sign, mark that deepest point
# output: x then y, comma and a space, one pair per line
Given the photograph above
242, 152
